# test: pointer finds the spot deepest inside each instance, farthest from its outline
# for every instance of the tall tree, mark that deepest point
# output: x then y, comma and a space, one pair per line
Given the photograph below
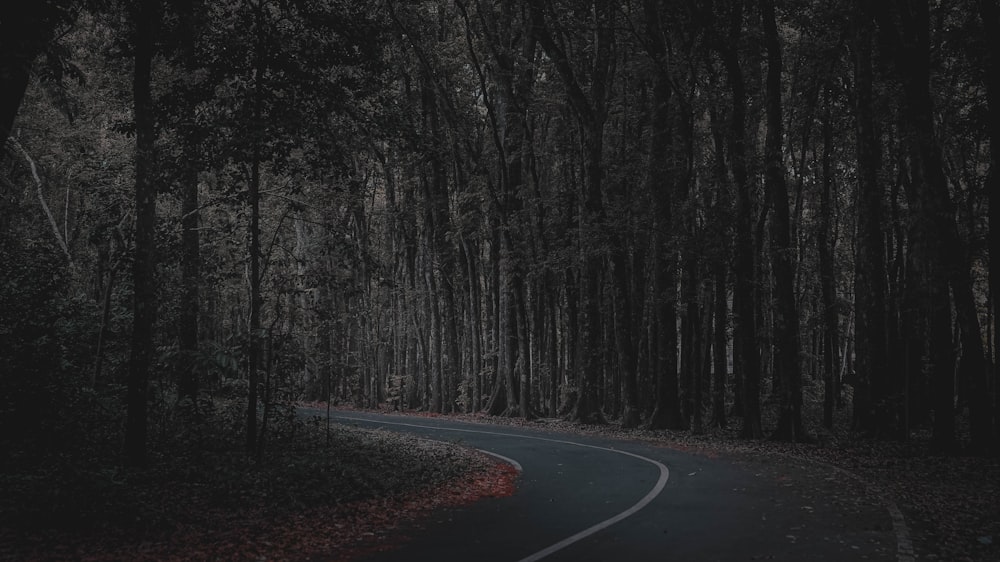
146, 18
187, 385
872, 411
257, 131
786, 328
990, 15
827, 270
659, 182
747, 351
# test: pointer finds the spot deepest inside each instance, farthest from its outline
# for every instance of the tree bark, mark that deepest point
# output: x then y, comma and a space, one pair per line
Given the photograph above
253, 199
144, 262
666, 409
719, 347
187, 385
990, 14
786, 321
828, 281
872, 412
744, 268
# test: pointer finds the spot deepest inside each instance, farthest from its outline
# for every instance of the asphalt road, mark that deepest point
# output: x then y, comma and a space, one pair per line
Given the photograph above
582, 498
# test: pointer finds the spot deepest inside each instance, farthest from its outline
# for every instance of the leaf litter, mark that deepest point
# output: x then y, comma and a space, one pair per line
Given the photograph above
361, 493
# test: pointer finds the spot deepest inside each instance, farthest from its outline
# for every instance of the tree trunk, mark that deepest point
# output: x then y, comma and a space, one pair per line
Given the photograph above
552, 299
786, 322
253, 199
828, 281
588, 406
144, 262
744, 269
187, 384
525, 365
991, 27
623, 337
719, 347
872, 412
690, 328
666, 410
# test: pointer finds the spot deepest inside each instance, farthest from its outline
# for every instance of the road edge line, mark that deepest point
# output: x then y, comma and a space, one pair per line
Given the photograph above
904, 545
508, 460
643, 502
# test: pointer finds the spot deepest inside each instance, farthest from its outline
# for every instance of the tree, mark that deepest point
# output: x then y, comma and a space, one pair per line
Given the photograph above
667, 411
872, 412
905, 36
146, 17
190, 14
786, 329
991, 26
744, 315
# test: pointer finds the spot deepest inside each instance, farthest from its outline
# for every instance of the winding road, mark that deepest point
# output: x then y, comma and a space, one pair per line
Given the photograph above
585, 498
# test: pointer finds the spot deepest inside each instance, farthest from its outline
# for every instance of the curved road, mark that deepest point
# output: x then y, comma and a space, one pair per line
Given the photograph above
584, 498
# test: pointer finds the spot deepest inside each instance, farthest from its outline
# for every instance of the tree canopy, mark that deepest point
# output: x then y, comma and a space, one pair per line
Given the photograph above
772, 215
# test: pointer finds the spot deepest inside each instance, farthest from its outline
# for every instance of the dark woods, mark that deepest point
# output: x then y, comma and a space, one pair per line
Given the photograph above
773, 215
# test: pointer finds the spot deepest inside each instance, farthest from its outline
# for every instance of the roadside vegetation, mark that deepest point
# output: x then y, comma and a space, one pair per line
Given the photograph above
321, 492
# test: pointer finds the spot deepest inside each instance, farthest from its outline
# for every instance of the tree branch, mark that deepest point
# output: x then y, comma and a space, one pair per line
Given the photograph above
41, 198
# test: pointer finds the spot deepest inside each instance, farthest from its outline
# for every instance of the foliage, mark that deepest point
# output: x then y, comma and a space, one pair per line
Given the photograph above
47, 340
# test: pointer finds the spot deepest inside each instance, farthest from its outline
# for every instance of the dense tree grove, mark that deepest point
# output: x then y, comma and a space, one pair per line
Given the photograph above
674, 214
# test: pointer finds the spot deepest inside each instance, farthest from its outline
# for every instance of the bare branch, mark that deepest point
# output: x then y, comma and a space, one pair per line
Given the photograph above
41, 198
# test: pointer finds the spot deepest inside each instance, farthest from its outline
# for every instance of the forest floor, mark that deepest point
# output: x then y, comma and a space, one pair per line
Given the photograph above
316, 495
950, 504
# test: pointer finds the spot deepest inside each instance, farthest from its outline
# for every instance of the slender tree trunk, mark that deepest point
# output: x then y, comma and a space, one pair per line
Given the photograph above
524, 349
786, 323
253, 196
666, 410
572, 340
144, 262
719, 347
187, 384
553, 343
623, 337
991, 26
102, 334
690, 316
499, 392
744, 269
828, 287
703, 365
872, 412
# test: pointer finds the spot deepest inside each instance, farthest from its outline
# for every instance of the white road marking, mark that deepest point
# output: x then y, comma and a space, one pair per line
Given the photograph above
508, 460
655, 491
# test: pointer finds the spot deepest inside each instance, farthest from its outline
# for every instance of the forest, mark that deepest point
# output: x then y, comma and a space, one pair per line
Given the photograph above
771, 215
